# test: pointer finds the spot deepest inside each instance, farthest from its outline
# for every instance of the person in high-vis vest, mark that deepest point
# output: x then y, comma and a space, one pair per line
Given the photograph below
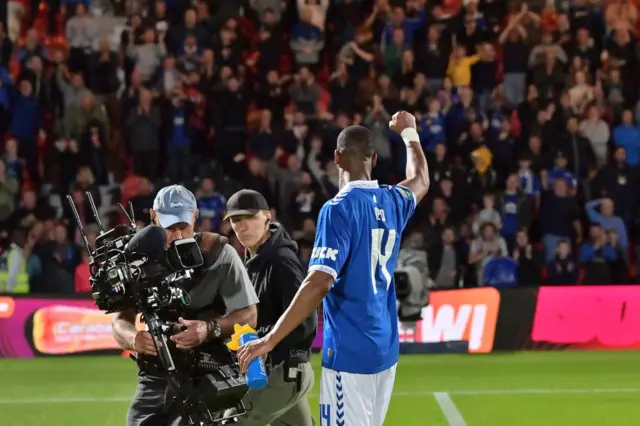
14, 279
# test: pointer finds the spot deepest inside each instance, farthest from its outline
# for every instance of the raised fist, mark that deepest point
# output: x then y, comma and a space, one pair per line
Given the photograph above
402, 120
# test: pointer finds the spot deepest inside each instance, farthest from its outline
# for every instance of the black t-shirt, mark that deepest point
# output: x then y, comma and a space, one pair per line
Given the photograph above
557, 215
516, 56
580, 17
360, 68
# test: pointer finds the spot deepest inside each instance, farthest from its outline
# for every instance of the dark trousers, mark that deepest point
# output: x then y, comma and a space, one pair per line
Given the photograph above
179, 163
4, 120
149, 405
281, 403
29, 151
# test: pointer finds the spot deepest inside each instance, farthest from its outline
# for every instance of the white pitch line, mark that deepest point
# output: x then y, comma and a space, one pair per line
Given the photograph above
543, 391
449, 409
68, 400
462, 392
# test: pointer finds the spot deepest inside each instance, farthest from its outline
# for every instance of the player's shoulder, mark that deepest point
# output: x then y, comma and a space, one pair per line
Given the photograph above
345, 195
345, 205
399, 191
334, 207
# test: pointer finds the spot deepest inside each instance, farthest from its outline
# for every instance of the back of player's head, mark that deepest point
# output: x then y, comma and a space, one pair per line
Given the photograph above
356, 142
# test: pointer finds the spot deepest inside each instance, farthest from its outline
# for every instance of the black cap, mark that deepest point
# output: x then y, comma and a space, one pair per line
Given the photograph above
246, 202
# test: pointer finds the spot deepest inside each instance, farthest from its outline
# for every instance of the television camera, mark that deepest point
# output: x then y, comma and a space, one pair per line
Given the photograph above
135, 270
412, 284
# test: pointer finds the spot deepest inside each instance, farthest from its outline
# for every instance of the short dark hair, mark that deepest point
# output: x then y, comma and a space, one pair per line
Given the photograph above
356, 141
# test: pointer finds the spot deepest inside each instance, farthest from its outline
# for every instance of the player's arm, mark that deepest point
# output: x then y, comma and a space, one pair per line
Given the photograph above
313, 289
330, 251
417, 170
288, 272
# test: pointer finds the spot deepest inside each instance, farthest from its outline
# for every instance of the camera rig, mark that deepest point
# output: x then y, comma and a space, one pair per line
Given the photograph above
132, 270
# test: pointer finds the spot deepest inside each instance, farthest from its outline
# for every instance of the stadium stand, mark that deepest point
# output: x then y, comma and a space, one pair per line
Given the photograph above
528, 112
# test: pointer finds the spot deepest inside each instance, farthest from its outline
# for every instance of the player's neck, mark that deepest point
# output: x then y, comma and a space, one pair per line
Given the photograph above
347, 177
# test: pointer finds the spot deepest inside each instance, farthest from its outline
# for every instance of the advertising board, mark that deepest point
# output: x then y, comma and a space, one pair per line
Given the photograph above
468, 315
40, 326
31, 327
545, 318
602, 317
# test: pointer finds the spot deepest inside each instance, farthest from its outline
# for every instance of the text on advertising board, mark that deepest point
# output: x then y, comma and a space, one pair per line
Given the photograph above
458, 315
48, 326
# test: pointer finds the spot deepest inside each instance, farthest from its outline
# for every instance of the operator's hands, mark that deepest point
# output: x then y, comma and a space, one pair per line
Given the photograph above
252, 350
193, 336
402, 120
143, 343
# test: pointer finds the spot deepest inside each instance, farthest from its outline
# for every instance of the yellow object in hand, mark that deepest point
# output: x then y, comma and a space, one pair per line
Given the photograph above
239, 331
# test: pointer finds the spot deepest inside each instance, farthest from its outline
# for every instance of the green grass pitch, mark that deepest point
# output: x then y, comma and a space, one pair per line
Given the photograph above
524, 389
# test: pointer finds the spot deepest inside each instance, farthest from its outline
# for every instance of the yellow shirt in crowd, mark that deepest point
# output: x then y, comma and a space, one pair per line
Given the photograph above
460, 71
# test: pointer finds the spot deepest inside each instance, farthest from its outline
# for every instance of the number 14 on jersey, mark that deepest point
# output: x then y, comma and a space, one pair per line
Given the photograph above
380, 257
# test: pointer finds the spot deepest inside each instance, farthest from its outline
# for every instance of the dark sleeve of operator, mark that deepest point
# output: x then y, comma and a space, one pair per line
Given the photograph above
286, 276
228, 278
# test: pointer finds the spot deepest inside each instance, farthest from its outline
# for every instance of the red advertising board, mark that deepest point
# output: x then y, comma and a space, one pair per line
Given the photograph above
603, 317
468, 315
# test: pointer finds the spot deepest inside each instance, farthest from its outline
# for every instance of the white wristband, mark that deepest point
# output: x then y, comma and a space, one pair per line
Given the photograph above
409, 135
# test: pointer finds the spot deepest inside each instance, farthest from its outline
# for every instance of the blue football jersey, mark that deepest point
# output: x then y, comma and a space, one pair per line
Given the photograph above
212, 207
357, 243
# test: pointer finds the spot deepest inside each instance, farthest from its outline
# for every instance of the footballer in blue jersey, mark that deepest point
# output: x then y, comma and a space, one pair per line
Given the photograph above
351, 269
357, 243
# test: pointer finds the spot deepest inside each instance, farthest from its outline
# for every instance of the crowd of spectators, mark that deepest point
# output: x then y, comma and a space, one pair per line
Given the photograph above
527, 113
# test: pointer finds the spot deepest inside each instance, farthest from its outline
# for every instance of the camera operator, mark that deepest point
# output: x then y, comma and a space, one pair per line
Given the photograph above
276, 274
222, 279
